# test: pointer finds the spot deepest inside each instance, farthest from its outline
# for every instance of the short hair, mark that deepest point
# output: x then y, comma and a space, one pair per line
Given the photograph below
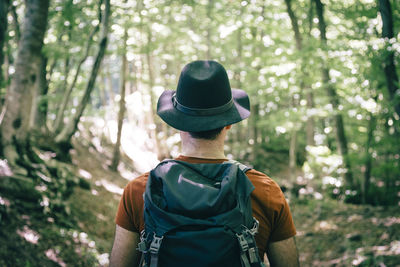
208, 135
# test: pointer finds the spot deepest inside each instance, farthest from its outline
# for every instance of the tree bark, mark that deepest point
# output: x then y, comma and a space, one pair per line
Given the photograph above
16, 23
334, 100
3, 30
15, 126
40, 103
121, 113
65, 136
392, 80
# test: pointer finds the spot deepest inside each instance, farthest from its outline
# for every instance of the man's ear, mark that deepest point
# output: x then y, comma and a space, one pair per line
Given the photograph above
228, 127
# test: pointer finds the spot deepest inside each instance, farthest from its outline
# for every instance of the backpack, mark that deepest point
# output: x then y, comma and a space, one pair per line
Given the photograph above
198, 215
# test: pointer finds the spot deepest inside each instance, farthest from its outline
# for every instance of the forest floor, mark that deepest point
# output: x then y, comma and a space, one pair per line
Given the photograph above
330, 233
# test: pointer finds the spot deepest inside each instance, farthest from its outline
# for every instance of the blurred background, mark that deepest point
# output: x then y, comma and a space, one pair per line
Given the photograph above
79, 84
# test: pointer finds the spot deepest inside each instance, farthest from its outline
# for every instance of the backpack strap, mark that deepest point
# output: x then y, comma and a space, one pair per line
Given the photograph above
242, 167
248, 248
154, 248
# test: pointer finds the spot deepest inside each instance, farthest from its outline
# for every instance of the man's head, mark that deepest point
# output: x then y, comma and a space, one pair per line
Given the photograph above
203, 100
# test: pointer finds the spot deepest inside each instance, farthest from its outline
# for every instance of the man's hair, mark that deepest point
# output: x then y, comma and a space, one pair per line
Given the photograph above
208, 135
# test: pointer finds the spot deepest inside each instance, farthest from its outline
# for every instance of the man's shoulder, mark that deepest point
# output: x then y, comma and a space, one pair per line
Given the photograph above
260, 177
264, 185
138, 183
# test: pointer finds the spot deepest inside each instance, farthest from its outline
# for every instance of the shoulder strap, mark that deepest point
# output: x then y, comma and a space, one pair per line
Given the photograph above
242, 167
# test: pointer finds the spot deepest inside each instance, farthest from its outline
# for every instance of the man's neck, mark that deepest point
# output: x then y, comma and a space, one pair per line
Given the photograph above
200, 148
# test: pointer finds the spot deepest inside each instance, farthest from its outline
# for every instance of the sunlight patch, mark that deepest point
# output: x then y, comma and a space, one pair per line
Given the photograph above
85, 174
52, 255
103, 259
325, 226
111, 187
29, 235
4, 168
392, 249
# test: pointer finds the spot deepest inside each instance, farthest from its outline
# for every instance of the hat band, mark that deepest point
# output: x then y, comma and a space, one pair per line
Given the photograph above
201, 111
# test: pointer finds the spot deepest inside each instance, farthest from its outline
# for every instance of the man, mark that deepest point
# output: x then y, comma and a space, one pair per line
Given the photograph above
203, 108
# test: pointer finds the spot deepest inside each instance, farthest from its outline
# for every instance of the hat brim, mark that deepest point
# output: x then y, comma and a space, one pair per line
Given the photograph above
239, 111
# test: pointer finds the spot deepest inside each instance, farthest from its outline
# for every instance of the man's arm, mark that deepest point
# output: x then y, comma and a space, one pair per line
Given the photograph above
283, 253
124, 251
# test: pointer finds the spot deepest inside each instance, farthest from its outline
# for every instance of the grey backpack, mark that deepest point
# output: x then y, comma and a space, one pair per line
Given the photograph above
199, 215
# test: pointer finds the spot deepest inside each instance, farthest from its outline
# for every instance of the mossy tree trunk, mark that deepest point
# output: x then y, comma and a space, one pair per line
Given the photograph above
15, 126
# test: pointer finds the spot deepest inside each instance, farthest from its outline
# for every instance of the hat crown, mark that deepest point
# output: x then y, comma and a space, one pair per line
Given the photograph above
202, 85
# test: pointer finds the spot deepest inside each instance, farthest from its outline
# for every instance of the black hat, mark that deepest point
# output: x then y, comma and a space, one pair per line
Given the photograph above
203, 99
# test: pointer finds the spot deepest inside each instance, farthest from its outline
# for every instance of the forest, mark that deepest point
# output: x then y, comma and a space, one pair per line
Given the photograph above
79, 83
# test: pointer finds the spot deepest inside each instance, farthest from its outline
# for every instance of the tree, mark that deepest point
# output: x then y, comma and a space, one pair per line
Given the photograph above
3, 30
68, 89
65, 135
15, 126
121, 113
334, 100
392, 80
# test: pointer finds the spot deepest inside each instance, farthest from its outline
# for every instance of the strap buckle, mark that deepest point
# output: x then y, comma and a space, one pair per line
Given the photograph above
244, 245
155, 244
142, 246
254, 230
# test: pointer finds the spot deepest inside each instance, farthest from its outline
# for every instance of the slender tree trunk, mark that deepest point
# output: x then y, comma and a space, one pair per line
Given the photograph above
392, 80
238, 84
299, 47
121, 113
334, 100
3, 30
59, 122
209, 34
368, 157
65, 136
154, 130
310, 123
15, 126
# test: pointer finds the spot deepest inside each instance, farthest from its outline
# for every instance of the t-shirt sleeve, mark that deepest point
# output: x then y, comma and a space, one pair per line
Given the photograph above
130, 209
283, 225
271, 209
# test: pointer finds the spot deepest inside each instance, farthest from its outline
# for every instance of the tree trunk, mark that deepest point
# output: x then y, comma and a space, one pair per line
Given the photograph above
368, 157
310, 124
153, 131
15, 126
59, 122
65, 136
3, 30
303, 86
334, 100
40, 104
299, 47
392, 80
121, 113
16, 23
209, 17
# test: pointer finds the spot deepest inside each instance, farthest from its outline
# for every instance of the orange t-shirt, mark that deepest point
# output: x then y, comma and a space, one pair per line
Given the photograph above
268, 203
